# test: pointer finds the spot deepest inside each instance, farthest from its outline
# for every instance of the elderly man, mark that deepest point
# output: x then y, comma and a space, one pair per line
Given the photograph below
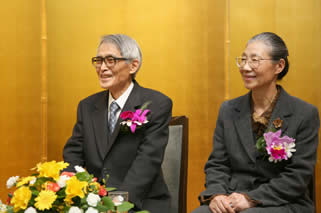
105, 145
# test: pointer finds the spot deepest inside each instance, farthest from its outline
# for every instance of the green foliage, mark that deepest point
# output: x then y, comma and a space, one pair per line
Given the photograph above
61, 194
84, 176
108, 189
145, 105
10, 209
124, 207
102, 208
260, 145
107, 202
41, 180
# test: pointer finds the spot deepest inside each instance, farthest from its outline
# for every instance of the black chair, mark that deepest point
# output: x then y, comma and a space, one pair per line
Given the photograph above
175, 163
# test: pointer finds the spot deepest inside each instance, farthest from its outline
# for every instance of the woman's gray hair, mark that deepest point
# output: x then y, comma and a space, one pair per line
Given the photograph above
127, 46
279, 49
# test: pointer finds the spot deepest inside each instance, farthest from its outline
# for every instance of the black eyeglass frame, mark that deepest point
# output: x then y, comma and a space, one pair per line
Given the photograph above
104, 59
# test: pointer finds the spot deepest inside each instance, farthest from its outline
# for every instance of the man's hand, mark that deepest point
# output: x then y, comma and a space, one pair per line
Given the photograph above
221, 204
240, 202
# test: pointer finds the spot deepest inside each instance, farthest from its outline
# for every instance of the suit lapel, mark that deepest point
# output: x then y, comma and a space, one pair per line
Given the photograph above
131, 104
99, 119
243, 123
282, 110
243, 126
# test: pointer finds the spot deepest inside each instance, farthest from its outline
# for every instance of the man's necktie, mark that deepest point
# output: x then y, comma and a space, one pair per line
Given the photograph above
112, 116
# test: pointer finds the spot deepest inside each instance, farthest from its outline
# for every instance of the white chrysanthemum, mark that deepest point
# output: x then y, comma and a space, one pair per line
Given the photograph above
32, 181
30, 210
12, 181
91, 210
289, 148
3, 207
62, 181
92, 199
75, 209
79, 169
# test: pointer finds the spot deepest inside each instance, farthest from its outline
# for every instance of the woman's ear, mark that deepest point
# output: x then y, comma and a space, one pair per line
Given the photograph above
133, 66
280, 66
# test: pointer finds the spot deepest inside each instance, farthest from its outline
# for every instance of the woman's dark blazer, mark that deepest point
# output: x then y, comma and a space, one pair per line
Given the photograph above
235, 165
132, 160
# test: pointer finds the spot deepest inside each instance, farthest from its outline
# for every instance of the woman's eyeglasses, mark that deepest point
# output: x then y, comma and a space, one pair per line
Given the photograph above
253, 62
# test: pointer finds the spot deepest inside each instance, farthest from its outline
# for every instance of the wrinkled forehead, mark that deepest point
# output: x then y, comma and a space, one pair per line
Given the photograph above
108, 47
257, 48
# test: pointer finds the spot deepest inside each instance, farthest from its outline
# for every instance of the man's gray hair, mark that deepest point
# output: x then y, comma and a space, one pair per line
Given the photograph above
127, 46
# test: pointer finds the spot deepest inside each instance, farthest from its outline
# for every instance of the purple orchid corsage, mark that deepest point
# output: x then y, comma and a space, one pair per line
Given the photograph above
274, 146
279, 148
134, 120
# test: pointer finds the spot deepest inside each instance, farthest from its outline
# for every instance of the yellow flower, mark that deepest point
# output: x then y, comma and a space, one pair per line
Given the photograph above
95, 185
74, 188
25, 180
51, 169
45, 200
21, 198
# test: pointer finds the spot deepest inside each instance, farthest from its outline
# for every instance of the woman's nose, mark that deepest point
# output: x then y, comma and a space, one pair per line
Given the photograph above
247, 66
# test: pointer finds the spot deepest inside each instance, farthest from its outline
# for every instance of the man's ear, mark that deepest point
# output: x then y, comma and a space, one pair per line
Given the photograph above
133, 66
280, 66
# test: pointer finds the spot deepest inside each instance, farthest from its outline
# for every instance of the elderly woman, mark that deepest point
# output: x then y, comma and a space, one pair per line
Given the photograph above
265, 142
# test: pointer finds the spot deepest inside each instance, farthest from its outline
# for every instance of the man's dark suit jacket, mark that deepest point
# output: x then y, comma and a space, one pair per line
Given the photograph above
132, 160
235, 165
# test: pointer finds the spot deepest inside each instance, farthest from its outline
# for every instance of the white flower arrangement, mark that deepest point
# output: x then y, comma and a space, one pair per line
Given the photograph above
12, 181
75, 209
62, 180
79, 169
91, 210
3, 207
93, 199
30, 210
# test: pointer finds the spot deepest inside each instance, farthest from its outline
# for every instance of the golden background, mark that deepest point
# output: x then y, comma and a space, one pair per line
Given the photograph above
188, 53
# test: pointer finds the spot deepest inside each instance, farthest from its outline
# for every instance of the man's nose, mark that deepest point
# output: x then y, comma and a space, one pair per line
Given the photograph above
103, 66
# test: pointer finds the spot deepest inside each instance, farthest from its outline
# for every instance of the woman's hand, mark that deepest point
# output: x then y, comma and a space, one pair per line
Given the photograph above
240, 202
221, 204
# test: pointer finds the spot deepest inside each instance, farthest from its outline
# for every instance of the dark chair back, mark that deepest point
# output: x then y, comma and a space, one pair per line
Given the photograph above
175, 163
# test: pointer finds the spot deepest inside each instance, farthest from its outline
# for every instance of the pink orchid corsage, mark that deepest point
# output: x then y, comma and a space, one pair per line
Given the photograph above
279, 148
134, 120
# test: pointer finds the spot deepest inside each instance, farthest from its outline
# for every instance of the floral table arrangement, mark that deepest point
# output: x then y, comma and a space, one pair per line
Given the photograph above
50, 191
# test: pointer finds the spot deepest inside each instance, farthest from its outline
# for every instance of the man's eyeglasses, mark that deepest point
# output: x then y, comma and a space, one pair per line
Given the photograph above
110, 61
253, 62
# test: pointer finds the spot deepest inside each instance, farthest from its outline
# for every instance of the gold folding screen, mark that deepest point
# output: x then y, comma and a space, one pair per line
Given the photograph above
20, 89
188, 53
